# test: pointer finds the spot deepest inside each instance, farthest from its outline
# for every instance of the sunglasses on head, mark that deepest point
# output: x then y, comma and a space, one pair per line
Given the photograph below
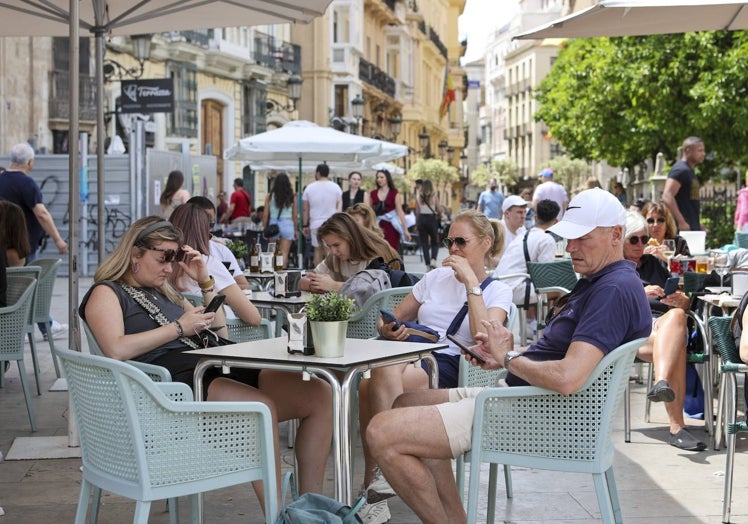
458, 241
635, 240
170, 255
660, 220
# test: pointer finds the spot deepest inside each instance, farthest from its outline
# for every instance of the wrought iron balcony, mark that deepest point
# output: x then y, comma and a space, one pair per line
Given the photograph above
374, 76
434, 37
276, 54
59, 97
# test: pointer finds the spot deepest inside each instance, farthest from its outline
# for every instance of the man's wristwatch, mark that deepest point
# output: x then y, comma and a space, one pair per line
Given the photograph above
510, 355
475, 291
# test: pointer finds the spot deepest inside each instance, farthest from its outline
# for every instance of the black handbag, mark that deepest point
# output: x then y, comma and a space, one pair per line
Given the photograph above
272, 230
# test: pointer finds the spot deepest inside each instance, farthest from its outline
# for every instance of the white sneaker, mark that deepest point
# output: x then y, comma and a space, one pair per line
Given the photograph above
58, 331
377, 513
379, 489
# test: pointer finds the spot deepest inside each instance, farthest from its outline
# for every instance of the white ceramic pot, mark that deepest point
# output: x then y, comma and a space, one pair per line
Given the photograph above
329, 338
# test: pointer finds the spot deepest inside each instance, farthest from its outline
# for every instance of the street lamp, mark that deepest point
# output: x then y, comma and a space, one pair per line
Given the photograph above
141, 51
294, 93
357, 109
442, 148
396, 122
450, 154
423, 140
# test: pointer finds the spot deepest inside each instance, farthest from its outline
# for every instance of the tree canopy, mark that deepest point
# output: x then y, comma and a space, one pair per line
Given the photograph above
623, 100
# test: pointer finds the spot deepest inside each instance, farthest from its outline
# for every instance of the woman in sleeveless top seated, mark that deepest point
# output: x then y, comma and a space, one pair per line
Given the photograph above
134, 313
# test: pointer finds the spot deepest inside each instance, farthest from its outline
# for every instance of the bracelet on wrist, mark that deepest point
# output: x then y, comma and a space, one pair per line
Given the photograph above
180, 331
206, 291
208, 284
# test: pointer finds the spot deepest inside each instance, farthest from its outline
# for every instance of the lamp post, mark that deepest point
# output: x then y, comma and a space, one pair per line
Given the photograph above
450, 154
294, 93
396, 121
357, 110
141, 51
423, 140
442, 148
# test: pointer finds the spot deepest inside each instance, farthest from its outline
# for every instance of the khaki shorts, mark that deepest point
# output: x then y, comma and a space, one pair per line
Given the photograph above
457, 417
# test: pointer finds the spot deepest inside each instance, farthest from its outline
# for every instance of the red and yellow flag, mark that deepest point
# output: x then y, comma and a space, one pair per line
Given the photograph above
449, 93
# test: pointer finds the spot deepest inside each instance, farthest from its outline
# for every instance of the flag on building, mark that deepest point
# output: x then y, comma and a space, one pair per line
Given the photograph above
449, 93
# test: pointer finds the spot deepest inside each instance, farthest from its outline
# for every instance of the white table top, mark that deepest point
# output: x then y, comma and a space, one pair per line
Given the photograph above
264, 296
357, 351
723, 300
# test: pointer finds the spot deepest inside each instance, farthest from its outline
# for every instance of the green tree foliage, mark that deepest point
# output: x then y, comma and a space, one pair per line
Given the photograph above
505, 171
438, 171
624, 100
570, 173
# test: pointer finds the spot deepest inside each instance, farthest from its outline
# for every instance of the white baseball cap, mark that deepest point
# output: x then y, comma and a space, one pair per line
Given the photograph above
590, 209
511, 201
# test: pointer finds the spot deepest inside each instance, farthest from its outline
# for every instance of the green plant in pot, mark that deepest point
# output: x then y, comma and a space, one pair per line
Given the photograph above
328, 316
239, 249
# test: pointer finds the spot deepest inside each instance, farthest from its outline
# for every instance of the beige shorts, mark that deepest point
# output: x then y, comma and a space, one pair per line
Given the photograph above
457, 417
315, 240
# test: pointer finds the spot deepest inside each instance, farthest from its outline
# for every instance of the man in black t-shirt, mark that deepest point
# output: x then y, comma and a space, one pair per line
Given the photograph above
681, 193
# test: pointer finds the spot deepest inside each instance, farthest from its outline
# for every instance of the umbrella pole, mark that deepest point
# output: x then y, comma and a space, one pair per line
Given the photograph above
300, 215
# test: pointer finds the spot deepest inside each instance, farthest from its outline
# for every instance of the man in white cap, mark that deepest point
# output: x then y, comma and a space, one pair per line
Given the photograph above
550, 190
514, 210
607, 308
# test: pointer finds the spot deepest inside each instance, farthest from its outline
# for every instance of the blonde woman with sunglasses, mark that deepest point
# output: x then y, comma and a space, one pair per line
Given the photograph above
134, 313
661, 226
435, 301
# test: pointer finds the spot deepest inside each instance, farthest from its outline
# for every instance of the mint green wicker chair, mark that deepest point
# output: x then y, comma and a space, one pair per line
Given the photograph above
29, 329
363, 323
13, 321
537, 428
156, 373
741, 240
139, 444
724, 343
43, 301
557, 277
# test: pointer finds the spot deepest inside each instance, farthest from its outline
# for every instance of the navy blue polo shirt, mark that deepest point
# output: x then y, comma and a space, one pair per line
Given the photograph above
605, 310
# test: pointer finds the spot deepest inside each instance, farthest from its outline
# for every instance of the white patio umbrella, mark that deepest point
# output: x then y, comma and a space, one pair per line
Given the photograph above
305, 144
645, 17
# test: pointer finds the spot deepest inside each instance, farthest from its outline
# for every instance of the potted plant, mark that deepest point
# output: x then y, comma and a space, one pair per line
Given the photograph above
328, 316
239, 249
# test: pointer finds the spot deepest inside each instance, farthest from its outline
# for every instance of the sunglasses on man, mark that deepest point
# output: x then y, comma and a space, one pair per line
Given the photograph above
635, 240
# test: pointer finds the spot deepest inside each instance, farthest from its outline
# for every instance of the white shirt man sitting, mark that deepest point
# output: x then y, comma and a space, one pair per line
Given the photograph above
541, 247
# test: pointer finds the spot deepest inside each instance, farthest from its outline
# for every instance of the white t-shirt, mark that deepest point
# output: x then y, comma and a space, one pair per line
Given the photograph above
509, 236
224, 254
541, 248
552, 191
442, 296
322, 196
216, 269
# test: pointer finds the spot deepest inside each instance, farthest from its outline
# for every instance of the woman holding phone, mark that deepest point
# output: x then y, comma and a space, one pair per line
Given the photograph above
134, 313
435, 301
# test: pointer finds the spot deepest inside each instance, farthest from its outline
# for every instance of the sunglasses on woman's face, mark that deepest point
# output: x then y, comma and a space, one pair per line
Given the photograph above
170, 255
460, 242
659, 220
635, 240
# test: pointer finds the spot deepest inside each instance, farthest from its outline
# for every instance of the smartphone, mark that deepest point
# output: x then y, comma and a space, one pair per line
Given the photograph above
466, 349
671, 285
215, 304
388, 317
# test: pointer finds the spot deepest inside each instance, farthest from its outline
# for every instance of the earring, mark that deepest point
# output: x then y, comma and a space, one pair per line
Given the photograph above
134, 268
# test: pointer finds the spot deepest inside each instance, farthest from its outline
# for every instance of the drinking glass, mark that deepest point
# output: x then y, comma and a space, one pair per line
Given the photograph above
669, 244
721, 264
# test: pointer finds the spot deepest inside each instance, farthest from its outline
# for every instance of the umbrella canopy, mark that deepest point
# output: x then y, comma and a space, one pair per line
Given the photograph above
308, 143
646, 17
124, 17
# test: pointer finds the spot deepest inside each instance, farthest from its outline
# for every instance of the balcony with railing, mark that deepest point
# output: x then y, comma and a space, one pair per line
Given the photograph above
375, 77
276, 54
59, 97
434, 37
